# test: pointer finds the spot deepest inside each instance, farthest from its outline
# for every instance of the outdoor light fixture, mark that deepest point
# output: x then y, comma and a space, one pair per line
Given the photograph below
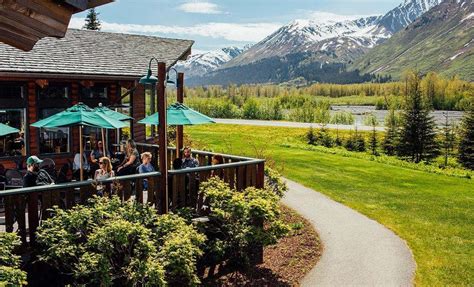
168, 81
149, 79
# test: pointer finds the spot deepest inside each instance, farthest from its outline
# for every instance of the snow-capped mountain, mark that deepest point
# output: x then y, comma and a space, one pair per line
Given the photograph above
315, 46
202, 63
334, 41
343, 40
405, 13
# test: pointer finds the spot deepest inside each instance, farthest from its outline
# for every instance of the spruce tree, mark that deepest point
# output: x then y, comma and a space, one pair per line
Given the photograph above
466, 145
417, 141
389, 144
92, 21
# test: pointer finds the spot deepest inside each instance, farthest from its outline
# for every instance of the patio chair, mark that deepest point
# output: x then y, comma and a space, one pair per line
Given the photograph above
50, 167
14, 178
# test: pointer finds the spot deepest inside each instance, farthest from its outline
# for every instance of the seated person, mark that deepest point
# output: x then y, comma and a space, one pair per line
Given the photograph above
95, 155
104, 172
146, 167
131, 161
76, 165
188, 160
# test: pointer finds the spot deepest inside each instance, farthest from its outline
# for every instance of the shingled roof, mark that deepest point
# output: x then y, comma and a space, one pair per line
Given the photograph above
84, 52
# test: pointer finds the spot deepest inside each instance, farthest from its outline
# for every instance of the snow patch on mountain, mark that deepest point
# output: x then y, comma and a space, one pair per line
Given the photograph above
201, 63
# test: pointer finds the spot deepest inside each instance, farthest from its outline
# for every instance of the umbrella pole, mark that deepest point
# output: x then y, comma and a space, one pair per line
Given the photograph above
81, 151
103, 143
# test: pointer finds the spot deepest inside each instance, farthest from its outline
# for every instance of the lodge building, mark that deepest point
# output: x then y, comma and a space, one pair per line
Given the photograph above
85, 66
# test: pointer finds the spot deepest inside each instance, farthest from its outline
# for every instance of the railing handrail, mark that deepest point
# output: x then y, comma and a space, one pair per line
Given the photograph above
75, 184
197, 151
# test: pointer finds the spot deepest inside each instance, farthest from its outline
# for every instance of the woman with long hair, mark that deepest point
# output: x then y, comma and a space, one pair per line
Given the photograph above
131, 161
104, 172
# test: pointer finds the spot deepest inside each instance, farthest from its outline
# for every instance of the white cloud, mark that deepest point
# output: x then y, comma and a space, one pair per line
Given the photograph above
246, 32
200, 7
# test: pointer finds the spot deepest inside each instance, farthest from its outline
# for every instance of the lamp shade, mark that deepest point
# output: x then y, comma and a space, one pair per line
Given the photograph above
149, 79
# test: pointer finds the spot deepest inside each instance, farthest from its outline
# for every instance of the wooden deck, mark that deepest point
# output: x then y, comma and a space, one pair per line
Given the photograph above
23, 209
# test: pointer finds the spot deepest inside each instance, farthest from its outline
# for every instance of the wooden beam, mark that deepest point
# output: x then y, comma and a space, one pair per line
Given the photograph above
162, 134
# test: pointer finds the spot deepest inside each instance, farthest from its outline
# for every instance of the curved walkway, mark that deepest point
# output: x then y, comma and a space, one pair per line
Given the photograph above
357, 251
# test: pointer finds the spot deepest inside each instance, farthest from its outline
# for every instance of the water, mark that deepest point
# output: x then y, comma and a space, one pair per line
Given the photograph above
361, 112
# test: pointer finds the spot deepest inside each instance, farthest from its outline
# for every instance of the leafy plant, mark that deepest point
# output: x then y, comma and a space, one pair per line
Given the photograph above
10, 272
112, 243
274, 182
240, 221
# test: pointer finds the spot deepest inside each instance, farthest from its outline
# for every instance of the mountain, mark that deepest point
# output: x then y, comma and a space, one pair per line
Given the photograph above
202, 63
441, 40
322, 43
400, 17
333, 41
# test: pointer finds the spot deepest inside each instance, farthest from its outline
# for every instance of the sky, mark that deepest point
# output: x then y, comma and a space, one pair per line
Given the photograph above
215, 24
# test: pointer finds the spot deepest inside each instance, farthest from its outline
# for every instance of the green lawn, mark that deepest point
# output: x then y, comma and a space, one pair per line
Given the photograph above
433, 213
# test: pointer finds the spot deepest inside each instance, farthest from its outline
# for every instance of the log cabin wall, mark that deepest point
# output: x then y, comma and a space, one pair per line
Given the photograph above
138, 113
32, 111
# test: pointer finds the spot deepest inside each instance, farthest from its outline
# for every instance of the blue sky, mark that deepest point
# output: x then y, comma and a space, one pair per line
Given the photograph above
215, 24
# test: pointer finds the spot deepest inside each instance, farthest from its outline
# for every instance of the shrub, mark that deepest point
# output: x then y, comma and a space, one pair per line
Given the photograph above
274, 182
355, 142
110, 243
239, 221
10, 272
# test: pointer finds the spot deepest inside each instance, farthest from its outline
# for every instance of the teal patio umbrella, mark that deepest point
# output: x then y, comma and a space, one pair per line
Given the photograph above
177, 115
113, 114
6, 130
79, 115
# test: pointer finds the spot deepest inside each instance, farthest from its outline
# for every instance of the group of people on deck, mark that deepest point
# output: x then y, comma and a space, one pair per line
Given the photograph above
100, 166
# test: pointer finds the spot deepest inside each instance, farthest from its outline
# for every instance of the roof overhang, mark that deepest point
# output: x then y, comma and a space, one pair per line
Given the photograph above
24, 22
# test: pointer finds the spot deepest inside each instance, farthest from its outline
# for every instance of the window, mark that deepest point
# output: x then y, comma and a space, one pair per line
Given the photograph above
13, 144
94, 95
55, 95
53, 140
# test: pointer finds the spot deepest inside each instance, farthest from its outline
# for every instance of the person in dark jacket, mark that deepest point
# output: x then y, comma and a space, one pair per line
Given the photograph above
32, 167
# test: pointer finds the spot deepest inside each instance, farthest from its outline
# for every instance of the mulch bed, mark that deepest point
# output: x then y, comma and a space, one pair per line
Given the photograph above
285, 264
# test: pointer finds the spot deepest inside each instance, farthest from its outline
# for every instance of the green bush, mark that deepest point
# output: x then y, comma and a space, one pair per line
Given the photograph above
10, 272
240, 221
109, 242
355, 142
274, 182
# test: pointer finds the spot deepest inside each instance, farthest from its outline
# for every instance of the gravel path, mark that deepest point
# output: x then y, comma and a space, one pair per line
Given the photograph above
357, 250
292, 124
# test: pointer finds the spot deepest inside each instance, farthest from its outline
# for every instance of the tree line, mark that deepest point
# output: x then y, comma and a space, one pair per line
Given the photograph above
442, 94
411, 134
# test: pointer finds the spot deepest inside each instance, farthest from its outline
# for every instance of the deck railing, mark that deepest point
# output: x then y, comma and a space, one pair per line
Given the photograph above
24, 208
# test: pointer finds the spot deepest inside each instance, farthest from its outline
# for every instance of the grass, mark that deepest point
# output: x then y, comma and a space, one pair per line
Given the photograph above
433, 213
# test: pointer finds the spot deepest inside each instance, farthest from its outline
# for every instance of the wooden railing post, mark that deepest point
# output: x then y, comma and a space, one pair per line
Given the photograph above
260, 175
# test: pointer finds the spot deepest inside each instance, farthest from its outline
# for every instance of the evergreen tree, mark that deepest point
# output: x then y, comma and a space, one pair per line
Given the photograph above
92, 21
448, 138
373, 142
389, 144
310, 137
466, 145
417, 141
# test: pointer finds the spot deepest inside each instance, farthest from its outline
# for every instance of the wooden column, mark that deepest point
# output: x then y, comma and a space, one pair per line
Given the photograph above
138, 113
180, 98
162, 135
32, 135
